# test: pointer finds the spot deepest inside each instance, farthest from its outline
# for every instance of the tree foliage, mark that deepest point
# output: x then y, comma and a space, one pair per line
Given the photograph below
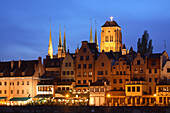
144, 44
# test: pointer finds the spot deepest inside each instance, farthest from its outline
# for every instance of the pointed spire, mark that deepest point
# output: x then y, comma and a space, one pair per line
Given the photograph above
50, 47
131, 48
64, 43
96, 40
60, 41
91, 37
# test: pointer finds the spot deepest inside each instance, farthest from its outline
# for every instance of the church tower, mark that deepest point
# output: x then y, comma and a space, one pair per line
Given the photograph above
50, 47
111, 37
91, 36
60, 47
96, 39
64, 43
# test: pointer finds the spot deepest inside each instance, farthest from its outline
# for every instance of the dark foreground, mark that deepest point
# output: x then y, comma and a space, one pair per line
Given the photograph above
82, 109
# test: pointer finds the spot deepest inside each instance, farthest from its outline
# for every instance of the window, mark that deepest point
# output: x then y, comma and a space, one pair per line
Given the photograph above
72, 72
114, 80
5, 83
63, 88
84, 74
111, 38
124, 73
102, 64
67, 88
66, 64
27, 82
105, 72
121, 88
91, 89
68, 72
87, 57
5, 92
117, 73
84, 66
127, 79
90, 81
22, 91
10, 83
64, 73
100, 72
138, 62
17, 91
84, 49
96, 89
155, 79
138, 89
90, 66
59, 88
84, 81
153, 62
160, 99
155, 70
150, 79
168, 70
17, 82
133, 89
22, 82
150, 71
114, 88
79, 66
11, 91
102, 30
69, 64
120, 80
140, 70
0, 83
81, 57
90, 74
101, 89
120, 72
129, 89
0, 91
106, 39
79, 74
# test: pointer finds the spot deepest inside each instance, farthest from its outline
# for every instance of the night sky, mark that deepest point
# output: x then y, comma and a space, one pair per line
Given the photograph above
25, 26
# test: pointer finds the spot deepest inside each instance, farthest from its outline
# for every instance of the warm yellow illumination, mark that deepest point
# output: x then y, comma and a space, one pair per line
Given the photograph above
108, 95
67, 95
155, 95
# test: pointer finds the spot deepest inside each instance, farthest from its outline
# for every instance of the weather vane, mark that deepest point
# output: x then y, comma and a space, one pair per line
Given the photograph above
111, 18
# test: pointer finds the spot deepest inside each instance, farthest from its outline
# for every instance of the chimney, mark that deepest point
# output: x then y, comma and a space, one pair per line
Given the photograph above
19, 63
12, 64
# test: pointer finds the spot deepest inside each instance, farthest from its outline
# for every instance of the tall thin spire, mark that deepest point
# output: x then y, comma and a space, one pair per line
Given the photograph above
50, 47
60, 41
91, 37
64, 43
96, 40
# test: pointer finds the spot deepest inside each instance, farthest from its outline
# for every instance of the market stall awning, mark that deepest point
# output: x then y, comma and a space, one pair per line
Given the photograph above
20, 99
2, 98
43, 96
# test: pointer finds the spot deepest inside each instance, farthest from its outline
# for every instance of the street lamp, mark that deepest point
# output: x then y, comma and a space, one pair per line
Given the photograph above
154, 95
108, 95
67, 95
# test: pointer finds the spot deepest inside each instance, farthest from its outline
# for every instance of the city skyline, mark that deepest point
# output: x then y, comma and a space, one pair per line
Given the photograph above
26, 26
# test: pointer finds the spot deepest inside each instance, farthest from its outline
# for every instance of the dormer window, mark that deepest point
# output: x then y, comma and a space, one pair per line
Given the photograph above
138, 62
84, 49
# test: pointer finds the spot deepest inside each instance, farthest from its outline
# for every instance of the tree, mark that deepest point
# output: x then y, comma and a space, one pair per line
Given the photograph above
143, 46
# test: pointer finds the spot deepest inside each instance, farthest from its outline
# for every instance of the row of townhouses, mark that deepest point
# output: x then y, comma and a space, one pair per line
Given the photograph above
111, 76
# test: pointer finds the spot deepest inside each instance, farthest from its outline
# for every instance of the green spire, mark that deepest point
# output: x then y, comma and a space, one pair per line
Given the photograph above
60, 41
64, 43
50, 47
91, 37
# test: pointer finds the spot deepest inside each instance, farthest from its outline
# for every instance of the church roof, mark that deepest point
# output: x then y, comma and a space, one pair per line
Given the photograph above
110, 24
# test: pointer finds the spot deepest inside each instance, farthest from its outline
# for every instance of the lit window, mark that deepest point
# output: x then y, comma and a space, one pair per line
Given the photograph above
91, 89
27, 82
90, 74
106, 38
22, 82
96, 89
84, 74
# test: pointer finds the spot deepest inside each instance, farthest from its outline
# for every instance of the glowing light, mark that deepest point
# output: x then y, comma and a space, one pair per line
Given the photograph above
155, 95
108, 95
77, 96
67, 95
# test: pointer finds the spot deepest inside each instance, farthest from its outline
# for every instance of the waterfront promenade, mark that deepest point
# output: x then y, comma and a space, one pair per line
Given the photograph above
82, 109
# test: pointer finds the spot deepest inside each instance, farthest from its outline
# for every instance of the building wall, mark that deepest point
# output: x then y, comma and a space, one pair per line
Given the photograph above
80, 71
67, 68
165, 72
116, 44
103, 67
119, 78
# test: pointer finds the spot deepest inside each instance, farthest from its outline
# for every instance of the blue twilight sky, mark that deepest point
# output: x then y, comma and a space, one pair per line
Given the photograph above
24, 24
